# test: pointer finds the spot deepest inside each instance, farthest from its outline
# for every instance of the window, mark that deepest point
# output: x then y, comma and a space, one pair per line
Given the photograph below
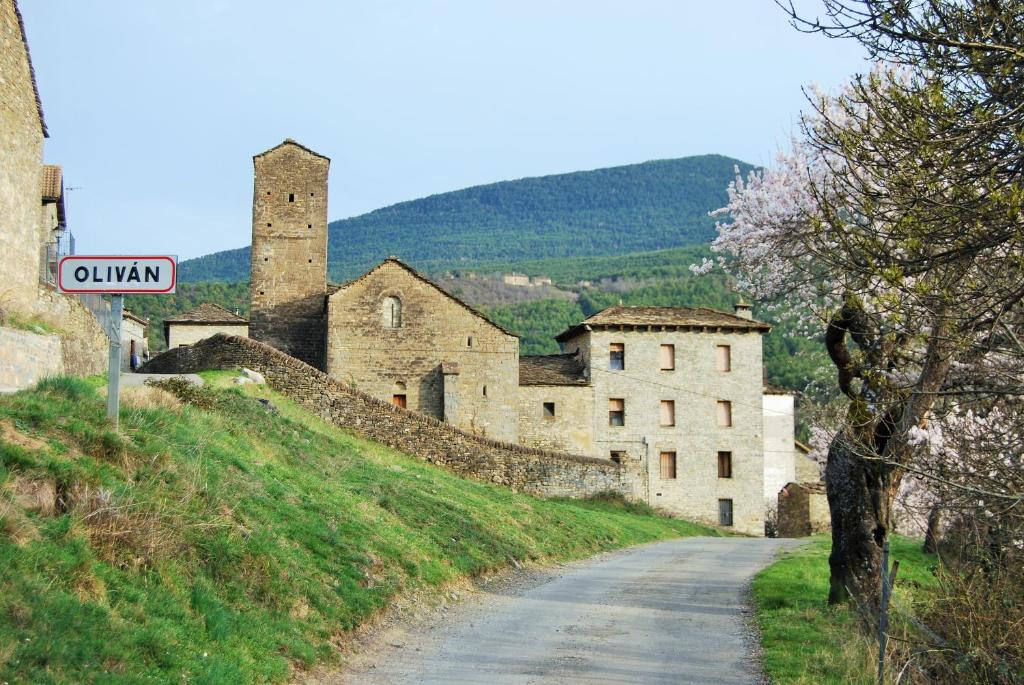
485, 391
617, 356
725, 464
725, 512
668, 412
724, 413
616, 412
618, 456
291, 197
668, 465
398, 401
668, 357
723, 358
549, 410
391, 312
469, 341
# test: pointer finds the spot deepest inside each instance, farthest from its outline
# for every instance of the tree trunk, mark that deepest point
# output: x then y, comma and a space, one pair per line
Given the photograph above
931, 536
859, 498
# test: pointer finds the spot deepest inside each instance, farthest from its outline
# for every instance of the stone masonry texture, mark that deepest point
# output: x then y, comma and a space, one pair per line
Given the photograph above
21, 154
366, 352
530, 470
289, 251
695, 386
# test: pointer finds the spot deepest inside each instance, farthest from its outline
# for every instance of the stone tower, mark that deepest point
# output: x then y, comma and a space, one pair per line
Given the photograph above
289, 251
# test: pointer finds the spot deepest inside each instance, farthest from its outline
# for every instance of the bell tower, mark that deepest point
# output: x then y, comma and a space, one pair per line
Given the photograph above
288, 283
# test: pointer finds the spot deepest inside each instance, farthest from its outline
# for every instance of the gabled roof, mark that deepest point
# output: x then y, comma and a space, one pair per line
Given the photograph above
289, 141
552, 369
417, 275
135, 317
672, 318
31, 69
207, 312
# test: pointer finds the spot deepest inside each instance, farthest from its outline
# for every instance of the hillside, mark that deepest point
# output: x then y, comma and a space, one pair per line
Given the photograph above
634, 208
217, 540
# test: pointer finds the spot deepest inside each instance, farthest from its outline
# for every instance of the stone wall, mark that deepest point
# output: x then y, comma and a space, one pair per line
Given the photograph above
84, 344
289, 251
191, 333
803, 510
365, 351
27, 358
530, 470
21, 158
569, 429
695, 386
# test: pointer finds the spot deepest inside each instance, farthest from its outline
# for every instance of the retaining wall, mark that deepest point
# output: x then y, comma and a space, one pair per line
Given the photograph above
522, 468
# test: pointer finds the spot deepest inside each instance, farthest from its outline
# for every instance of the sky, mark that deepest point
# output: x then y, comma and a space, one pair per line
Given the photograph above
155, 109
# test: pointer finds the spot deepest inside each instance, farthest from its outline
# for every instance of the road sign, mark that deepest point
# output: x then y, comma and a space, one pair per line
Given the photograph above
110, 274
116, 276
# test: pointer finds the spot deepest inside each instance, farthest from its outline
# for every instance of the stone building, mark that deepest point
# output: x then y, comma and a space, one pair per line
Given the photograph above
396, 336
200, 323
31, 219
779, 446
675, 394
289, 250
133, 339
677, 389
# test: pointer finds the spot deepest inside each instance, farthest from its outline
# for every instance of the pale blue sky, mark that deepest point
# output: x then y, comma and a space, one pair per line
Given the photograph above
155, 108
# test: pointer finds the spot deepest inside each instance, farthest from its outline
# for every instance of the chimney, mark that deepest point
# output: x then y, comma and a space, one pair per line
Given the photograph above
743, 309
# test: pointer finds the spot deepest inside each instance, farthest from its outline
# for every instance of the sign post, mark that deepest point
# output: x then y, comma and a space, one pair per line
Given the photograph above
116, 276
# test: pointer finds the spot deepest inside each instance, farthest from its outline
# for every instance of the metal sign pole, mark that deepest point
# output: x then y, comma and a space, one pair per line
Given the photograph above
114, 368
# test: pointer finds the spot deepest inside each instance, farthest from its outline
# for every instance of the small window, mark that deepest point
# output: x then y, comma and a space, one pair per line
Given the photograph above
723, 358
485, 391
668, 412
398, 401
309, 225
618, 456
391, 312
291, 197
724, 413
268, 192
668, 357
549, 410
725, 512
266, 259
725, 464
617, 356
469, 341
268, 224
668, 465
310, 261
311, 194
616, 412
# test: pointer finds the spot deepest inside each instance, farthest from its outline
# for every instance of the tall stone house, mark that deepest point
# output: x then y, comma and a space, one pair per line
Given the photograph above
32, 219
676, 391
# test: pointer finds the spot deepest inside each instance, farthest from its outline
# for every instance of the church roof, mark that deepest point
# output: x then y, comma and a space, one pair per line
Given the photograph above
626, 318
31, 69
417, 275
289, 141
552, 369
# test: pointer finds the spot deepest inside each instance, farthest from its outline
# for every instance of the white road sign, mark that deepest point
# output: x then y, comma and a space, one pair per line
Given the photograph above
105, 274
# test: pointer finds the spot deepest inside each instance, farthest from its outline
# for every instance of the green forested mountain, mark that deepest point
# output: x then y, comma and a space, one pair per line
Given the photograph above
618, 210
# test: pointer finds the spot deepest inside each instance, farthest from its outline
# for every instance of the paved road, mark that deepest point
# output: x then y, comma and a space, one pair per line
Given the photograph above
670, 612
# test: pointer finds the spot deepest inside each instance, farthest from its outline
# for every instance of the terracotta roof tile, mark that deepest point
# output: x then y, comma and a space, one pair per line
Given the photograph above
53, 183
554, 369
671, 317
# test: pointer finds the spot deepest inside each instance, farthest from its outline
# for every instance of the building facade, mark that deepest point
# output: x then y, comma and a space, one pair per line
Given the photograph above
202, 322
397, 336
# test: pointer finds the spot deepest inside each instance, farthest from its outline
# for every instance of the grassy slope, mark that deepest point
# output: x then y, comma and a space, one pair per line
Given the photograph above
806, 642
231, 544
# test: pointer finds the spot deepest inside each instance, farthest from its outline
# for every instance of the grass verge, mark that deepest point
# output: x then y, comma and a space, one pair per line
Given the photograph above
807, 642
226, 541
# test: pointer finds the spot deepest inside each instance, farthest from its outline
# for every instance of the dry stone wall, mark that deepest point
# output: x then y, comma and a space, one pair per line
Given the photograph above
530, 470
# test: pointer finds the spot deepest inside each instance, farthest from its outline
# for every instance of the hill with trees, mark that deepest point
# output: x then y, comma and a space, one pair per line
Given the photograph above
635, 208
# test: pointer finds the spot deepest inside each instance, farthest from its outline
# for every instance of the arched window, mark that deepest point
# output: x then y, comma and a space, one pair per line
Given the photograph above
391, 314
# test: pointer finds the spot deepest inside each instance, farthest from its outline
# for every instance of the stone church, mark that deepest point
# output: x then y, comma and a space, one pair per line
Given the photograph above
678, 391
